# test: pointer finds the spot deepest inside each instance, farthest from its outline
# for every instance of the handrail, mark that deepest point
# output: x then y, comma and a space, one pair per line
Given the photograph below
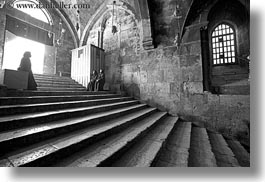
243, 59
244, 62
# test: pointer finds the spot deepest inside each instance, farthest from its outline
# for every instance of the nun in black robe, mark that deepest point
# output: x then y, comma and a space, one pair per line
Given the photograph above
25, 65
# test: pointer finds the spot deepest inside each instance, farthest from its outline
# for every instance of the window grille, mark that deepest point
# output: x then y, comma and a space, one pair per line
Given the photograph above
223, 45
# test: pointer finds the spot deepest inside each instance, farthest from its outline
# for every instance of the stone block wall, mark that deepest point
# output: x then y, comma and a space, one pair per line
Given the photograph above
171, 79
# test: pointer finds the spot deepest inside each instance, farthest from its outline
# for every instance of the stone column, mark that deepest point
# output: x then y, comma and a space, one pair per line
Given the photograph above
147, 36
147, 39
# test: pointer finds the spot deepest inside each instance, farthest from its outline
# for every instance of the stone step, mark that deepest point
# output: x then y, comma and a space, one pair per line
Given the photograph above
241, 154
223, 154
21, 137
104, 152
60, 85
50, 76
16, 93
60, 89
43, 107
200, 153
57, 81
48, 152
23, 120
54, 82
144, 151
176, 151
49, 99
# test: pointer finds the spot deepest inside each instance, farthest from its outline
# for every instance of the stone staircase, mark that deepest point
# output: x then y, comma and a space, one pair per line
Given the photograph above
55, 83
75, 128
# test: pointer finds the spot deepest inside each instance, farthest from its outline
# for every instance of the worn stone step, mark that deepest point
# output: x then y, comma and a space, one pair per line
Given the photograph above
176, 151
23, 120
57, 81
49, 99
223, 154
60, 89
200, 153
60, 85
241, 154
48, 152
144, 151
17, 93
50, 76
107, 150
42, 107
21, 137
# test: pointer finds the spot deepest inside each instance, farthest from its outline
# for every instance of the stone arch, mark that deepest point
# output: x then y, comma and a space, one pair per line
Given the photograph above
48, 18
105, 19
65, 19
203, 8
143, 18
97, 32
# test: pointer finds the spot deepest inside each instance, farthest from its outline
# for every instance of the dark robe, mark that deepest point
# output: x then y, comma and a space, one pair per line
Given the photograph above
91, 84
100, 82
25, 65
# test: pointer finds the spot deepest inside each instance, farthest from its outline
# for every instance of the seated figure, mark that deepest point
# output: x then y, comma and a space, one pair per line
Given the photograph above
100, 81
91, 84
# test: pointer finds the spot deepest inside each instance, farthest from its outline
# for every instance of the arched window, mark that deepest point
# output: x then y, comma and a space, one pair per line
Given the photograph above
223, 45
33, 8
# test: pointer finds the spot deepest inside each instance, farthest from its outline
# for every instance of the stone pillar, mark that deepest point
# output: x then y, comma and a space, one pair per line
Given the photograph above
147, 39
147, 36
101, 38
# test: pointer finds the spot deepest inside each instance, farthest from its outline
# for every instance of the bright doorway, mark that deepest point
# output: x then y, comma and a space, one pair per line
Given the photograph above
14, 49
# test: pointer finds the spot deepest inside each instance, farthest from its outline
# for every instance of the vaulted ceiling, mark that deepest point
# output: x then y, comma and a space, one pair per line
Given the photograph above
81, 15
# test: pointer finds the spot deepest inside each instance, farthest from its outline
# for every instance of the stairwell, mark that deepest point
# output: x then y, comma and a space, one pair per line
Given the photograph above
62, 125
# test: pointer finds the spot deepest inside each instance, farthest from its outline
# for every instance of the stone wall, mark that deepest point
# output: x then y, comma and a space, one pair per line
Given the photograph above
171, 80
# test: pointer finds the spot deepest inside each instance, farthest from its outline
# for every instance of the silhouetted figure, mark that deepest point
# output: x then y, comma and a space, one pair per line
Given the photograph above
91, 84
100, 81
25, 65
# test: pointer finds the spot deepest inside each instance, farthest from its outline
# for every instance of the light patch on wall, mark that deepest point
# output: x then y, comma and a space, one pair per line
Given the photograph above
14, 49
33, 8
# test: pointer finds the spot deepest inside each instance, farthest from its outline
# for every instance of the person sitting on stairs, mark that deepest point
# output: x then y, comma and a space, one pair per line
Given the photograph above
100, 81
91, 84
